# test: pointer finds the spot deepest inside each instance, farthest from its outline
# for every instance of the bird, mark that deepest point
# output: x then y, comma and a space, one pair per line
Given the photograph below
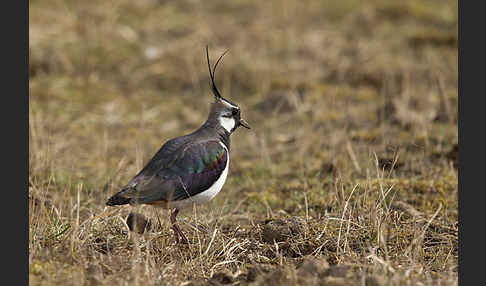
190, 169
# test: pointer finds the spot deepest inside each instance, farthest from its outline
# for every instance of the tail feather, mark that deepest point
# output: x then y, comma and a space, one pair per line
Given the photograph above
117, 199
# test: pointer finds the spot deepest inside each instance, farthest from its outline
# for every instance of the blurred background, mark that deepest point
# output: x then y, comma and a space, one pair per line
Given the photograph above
113, 79
334, 91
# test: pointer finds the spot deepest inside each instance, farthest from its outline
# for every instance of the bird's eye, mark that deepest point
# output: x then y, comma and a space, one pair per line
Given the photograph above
235, 111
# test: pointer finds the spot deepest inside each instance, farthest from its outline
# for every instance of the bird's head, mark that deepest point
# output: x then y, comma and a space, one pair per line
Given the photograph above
225, 112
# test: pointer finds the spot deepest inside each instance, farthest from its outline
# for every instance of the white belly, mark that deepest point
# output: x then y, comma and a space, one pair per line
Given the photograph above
210, 193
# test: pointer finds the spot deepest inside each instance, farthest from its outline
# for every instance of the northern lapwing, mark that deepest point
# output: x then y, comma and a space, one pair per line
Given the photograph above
189, 169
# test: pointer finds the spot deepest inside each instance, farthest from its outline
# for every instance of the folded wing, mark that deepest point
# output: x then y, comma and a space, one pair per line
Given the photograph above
195, 168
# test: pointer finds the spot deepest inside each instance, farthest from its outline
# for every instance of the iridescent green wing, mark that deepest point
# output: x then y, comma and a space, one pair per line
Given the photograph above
193, 170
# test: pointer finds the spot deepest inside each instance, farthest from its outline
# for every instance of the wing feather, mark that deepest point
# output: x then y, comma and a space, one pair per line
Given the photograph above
195, 169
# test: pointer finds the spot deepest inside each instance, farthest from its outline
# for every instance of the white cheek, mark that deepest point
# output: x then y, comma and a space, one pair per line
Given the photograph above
227, 123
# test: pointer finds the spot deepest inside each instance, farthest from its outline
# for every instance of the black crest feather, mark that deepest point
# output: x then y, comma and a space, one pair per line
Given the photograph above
211, 73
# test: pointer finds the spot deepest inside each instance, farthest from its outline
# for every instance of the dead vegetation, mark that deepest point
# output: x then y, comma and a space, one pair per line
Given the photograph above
348, 177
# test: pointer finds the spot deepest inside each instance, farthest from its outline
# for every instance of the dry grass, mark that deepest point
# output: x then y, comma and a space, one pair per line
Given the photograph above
348, 177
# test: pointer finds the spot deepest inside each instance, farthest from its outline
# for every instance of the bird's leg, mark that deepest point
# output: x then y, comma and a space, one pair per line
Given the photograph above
174, 225
178, 232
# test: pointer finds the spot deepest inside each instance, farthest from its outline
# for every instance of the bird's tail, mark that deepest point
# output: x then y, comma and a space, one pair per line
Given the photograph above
117, 199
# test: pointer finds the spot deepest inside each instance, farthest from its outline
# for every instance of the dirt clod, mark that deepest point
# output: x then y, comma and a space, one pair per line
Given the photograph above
389, 164
221, 278
138, 223
279, 230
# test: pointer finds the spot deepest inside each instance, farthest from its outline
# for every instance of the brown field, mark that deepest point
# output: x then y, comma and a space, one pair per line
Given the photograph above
348, 177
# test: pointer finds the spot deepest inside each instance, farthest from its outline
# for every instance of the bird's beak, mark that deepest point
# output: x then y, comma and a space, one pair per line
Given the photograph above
244, 124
